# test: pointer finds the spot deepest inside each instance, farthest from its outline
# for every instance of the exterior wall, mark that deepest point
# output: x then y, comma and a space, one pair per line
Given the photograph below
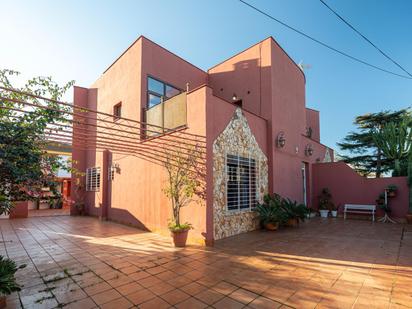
135, 195
236, 139
348, 187
165, 66
272, 86
272, 90
312, 121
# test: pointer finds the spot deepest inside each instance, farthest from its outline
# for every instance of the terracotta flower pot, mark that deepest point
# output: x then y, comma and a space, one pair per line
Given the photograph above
409, 218
180, 238
292, 222
271, 226
392, 194
3, 303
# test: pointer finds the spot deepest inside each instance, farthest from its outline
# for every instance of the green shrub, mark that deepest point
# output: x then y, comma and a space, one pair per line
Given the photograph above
270, 211
294, 210
176, 228
8, 282
276, 209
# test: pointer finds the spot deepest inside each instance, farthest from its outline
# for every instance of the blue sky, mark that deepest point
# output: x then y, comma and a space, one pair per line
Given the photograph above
79, 39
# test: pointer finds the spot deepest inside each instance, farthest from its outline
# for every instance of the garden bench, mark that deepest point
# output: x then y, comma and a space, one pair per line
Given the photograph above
356, 208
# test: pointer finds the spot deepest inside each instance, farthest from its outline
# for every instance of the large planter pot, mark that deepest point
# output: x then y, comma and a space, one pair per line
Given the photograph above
271, 226
409, 218
324, 213
3, 303
180, 238
334, 213
292, 222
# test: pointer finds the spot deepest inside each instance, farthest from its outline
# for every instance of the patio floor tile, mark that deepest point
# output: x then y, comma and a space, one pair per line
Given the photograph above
88, 263
155, 303
175, 296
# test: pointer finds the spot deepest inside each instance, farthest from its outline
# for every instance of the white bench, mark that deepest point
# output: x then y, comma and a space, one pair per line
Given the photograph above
360, 209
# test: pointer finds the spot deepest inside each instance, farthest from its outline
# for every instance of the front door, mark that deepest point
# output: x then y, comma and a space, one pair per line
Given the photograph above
304, 183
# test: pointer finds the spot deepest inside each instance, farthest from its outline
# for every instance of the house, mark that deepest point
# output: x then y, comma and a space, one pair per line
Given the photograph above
250, 109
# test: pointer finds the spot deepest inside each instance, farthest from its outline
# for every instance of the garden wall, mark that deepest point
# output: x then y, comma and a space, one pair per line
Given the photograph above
348, 187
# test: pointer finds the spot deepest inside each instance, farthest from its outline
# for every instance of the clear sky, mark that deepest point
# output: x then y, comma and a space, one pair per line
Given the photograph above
79, 39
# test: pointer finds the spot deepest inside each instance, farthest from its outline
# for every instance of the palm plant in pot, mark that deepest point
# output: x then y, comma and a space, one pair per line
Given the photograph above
324, 202
333, 209
8, 282
295, 211
271, 215
184, 183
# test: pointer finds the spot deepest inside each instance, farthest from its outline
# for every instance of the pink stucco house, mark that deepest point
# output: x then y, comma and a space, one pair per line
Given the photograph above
252, 112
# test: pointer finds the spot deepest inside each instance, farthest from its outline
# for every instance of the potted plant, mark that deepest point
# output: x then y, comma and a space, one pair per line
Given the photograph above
270, 214
179, 233
324, 202
295, 211
8, 282
392, 189
333, 209
312, 213
183, 185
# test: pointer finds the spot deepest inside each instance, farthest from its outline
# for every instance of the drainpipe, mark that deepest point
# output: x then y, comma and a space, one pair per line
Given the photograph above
106, 189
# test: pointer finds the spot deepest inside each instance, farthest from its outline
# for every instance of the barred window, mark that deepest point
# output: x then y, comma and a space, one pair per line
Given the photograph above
241, 183
93, 179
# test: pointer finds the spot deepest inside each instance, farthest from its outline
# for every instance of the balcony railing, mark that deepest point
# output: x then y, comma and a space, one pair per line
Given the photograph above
165, 116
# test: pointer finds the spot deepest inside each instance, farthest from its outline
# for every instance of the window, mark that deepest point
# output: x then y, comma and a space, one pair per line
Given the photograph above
93, 179
241, 183
117, 111
159, 91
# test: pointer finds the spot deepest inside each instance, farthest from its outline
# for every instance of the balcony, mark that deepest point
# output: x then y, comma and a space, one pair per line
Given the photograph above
166, 116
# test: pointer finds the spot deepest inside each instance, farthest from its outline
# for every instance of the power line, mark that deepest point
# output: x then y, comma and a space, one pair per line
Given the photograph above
364, 37
321, 43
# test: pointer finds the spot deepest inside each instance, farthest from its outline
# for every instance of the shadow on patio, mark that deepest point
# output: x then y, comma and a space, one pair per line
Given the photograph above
83, 263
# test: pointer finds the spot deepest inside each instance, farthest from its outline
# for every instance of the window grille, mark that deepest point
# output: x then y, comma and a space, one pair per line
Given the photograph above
93, 179
241, 183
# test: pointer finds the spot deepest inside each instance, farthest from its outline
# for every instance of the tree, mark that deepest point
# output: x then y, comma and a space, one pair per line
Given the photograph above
25, 166
185, 173
395, 140
365, 156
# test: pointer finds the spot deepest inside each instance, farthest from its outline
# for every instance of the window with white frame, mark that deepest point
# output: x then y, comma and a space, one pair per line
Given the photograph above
241, 183
93, 179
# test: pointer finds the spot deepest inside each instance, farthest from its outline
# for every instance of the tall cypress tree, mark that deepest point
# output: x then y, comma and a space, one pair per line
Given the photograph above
365, 156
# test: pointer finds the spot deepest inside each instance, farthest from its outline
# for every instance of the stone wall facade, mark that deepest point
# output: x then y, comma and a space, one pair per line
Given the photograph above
236, 139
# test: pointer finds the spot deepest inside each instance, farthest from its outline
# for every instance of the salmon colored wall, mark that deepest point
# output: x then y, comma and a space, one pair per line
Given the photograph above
272, 86
135, 195
272, 89
312, 121
247, 75
347, 187
167, 67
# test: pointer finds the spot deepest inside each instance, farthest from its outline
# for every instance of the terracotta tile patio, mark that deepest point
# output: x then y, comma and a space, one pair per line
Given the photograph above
80, 262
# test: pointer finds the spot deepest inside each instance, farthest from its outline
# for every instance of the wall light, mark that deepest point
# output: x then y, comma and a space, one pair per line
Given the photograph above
281, 140
234, 97
308, 150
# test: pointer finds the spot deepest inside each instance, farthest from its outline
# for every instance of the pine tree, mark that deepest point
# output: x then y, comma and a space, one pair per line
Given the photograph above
365, 156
